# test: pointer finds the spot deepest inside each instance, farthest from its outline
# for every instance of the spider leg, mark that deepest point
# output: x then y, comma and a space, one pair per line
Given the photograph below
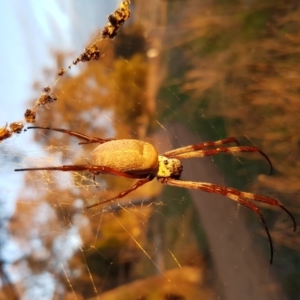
93, 169
200, 146
122, 194
229, 192
257, 210
233, 194
88, 140
209, 152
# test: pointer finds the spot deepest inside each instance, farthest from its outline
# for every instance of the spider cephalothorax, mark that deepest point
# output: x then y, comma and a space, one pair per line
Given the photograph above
139, 160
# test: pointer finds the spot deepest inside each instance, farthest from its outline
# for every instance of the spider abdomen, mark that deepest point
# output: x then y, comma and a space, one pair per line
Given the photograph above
133, 157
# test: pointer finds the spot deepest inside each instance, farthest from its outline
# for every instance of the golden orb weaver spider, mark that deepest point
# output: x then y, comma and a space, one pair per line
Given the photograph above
139, 160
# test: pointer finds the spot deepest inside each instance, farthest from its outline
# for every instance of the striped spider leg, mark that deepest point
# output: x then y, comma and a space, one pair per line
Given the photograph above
243, 198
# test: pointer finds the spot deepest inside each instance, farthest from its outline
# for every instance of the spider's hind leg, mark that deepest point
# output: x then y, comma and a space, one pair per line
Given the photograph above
87, 139
122, 194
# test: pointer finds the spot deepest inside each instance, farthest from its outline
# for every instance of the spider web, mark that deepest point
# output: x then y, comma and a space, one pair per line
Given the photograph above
158, 242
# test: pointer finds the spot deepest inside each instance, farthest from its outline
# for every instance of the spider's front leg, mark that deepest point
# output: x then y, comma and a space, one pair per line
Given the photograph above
198, 150
200, 146
87, 139
243, 198
228, 192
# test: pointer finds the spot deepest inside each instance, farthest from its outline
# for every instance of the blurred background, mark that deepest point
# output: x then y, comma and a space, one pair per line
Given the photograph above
179, 72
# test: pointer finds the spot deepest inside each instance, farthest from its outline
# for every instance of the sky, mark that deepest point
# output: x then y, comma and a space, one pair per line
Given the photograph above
29, 31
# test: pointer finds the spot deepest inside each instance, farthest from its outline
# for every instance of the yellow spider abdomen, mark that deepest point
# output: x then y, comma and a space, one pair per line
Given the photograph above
133, 157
